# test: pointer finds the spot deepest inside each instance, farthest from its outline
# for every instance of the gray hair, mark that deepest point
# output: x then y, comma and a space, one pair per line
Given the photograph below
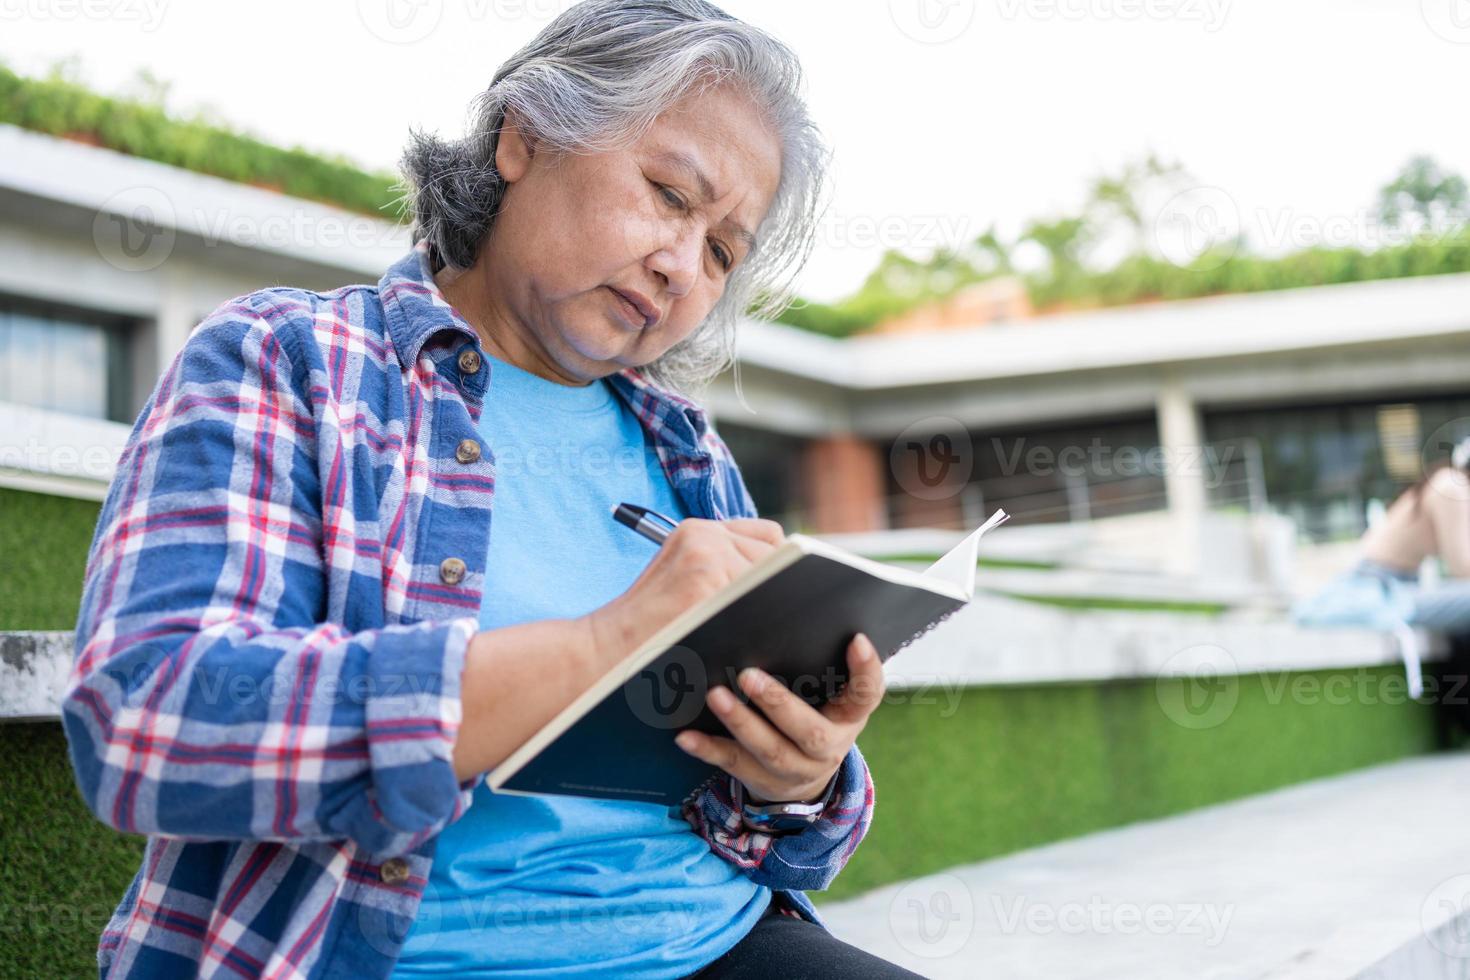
594, 80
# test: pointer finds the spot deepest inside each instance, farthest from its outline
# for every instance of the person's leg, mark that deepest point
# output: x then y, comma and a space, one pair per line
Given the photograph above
786, 946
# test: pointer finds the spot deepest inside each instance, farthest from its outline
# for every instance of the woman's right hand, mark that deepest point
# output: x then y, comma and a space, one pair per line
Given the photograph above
697, 559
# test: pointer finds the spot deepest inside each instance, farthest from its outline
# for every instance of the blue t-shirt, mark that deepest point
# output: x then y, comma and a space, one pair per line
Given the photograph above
562, 886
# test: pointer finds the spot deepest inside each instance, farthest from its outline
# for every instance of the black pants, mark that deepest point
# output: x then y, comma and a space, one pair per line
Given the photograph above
1451, 692
782, 945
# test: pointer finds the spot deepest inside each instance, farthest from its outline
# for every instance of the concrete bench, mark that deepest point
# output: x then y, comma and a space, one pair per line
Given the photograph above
991, 641
1363, 875
1000, 641
33, 672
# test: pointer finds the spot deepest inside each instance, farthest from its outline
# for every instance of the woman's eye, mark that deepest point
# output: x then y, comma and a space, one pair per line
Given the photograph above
672, 199
721, 255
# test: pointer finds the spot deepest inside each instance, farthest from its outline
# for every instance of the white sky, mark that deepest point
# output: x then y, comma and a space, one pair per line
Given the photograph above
1299, 109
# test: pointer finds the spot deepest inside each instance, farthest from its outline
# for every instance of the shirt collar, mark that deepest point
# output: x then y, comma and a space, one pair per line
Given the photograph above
414, 306
416, 310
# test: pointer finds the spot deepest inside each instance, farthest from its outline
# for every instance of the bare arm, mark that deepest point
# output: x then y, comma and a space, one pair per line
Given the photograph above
515, 680
518, 678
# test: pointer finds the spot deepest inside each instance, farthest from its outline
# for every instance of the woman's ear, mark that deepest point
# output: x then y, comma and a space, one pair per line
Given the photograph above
514, 150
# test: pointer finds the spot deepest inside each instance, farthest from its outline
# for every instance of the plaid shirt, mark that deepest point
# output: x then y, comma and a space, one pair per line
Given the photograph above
279, 593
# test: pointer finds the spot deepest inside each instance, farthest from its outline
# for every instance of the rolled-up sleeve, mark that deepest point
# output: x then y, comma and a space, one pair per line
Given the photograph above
804, 860
808, 859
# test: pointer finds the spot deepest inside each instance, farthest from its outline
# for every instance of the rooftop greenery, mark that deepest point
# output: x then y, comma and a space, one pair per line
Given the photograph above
1154, 232
61, 106
1108, 252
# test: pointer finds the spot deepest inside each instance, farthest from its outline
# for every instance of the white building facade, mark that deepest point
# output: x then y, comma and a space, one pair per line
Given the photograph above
1309, 403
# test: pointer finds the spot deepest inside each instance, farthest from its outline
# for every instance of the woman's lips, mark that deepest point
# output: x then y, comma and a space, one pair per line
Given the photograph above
630, 312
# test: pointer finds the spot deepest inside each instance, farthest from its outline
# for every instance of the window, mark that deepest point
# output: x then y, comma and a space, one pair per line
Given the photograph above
770, 463
1323, 463
1065, 472
63, 361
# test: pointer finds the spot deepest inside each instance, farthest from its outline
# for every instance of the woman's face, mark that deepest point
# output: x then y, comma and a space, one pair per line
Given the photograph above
574, 230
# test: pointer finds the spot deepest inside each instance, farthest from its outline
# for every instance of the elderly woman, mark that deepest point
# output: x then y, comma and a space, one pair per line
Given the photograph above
330, 587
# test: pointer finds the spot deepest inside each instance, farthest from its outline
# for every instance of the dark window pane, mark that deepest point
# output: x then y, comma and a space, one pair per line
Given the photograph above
61, 362
1323, 463
770, 463
78, 370
28, 354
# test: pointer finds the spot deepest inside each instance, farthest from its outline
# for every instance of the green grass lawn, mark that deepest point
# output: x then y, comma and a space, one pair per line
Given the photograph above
930, 557
981, 772
44, 540
959, 775
65, 871
1118, 604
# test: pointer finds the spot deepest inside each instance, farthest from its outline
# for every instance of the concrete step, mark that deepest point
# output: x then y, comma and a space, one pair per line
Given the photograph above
1361, 875
996, 640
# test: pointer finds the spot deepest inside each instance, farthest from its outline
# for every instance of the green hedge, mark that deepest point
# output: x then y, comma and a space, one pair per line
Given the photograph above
996, 770
1143, 277
63, 108
43, 555
988, 772
65, 871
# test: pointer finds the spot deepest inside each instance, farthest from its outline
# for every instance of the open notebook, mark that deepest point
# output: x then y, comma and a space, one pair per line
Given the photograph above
793, 614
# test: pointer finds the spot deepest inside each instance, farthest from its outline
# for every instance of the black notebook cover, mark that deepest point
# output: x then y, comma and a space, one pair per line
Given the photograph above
795, 625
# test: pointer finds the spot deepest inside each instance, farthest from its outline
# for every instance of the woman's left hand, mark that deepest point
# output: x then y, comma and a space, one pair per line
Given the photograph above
791, 753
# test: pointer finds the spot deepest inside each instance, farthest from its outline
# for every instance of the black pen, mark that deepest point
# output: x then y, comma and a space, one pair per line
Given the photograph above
644, 521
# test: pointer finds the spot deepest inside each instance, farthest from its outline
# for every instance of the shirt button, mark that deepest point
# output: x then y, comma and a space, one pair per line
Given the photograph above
394, 871
469, 362
451, 571
468, 451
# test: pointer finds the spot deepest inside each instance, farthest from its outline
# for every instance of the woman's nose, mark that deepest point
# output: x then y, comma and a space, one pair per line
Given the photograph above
678, 260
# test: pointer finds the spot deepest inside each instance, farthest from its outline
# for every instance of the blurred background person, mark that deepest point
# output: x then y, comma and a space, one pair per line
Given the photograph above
1430, 520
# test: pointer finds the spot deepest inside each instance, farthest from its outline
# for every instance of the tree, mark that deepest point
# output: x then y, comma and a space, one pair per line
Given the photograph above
1063, 239
992, 253
1129, 198
1424, 197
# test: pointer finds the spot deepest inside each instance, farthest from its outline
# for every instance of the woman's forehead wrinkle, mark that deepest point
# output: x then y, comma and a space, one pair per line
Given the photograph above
680, 160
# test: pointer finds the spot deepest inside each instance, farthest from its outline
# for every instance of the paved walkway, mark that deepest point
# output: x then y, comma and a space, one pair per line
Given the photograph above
1362, 875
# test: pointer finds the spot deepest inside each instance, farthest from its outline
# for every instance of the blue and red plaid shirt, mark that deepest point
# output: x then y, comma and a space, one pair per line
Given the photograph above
280, 590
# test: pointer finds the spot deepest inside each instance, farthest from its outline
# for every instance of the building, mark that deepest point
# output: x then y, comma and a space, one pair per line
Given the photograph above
1306, 402
1150, 419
